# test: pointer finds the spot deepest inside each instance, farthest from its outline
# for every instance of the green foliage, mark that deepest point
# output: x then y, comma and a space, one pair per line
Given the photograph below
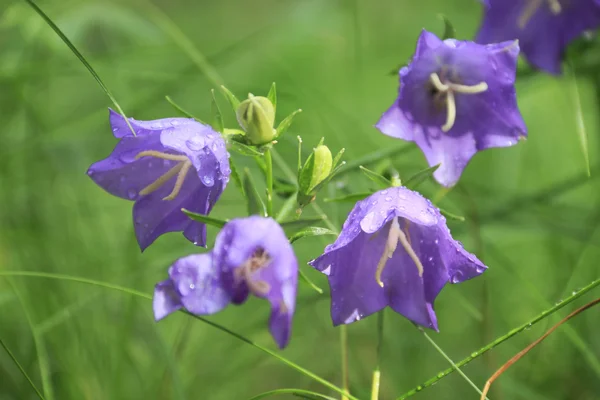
530, 210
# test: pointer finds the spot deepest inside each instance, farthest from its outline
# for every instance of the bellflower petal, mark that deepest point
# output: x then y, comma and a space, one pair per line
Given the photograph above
193, 284
394, 250
170, 164
544, 28
255, 257
456, 98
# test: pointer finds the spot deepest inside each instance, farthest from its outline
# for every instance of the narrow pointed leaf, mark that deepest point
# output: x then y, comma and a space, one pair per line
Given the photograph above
243, 149
237, 178
284, 188
350, 198
219, 223
338, 157
182, 110
311, 231
310, 283
272, 96
285, 124
301, 223
255, 204
233, 101
217, 117
449, 31
580, 124
299, 156
81, 58
375, 177
300, 393
450, 215
414, 181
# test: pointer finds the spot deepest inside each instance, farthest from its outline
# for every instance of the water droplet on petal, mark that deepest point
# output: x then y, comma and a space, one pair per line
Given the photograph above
208, 180
388, 198
132, 194
195, 143
479, 269
384, 191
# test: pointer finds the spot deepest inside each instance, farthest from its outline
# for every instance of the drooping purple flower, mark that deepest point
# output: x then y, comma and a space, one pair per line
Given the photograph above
456, 98
251, 256
394, 250
170, 164
544, 28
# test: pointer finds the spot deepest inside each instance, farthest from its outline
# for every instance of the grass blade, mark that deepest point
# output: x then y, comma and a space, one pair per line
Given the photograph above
213, 324
11, 355
81, 58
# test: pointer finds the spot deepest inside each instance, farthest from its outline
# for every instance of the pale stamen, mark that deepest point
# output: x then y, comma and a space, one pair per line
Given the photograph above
180, 169
533, 6
390, 246
449, 89
396, 235
258, 260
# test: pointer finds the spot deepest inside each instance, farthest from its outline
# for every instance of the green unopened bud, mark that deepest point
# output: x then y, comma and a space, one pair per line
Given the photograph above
257, 116
316, 169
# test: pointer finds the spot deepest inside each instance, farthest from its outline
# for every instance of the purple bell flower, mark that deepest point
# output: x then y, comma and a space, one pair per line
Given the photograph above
544, 28
456, 98
170, 164
394, 250
251, 256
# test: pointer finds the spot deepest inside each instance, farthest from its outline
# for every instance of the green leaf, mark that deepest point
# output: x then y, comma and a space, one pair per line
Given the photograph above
237, 179
311, 231
183, 111
272, 96
350, 198
285, 124
375, 177
449, 31
255, 204
300, 223
338, 157
243, 149
450, 215
579, 121
217, 117
233, 101
284, 187
305, 394
414, 181
310, 283
205, 219
299, 156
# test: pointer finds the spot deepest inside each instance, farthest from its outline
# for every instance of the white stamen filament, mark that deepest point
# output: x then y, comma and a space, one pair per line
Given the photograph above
396, 235
449, 89
180, 169
533, 6
244, 273
390, 246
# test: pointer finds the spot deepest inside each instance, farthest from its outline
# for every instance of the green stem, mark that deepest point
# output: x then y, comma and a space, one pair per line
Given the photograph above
269, 173
10, 354
344, 351
306, 394
214, 325
439, 349
377, 371
501, 339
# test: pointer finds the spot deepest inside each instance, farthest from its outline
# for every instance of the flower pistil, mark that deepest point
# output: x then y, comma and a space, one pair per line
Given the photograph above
449, 89
180, 169
533, 6
258, 260
395, 235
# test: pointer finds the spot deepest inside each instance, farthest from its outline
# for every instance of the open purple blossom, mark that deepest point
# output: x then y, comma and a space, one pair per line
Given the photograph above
251, 256
170, 164
544, 28
394, 250
456, 98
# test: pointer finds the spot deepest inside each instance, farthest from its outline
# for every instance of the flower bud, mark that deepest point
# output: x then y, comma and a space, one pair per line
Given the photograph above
256, 116
316, 169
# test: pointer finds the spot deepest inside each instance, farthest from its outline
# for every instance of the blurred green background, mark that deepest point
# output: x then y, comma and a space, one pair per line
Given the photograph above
532, 213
